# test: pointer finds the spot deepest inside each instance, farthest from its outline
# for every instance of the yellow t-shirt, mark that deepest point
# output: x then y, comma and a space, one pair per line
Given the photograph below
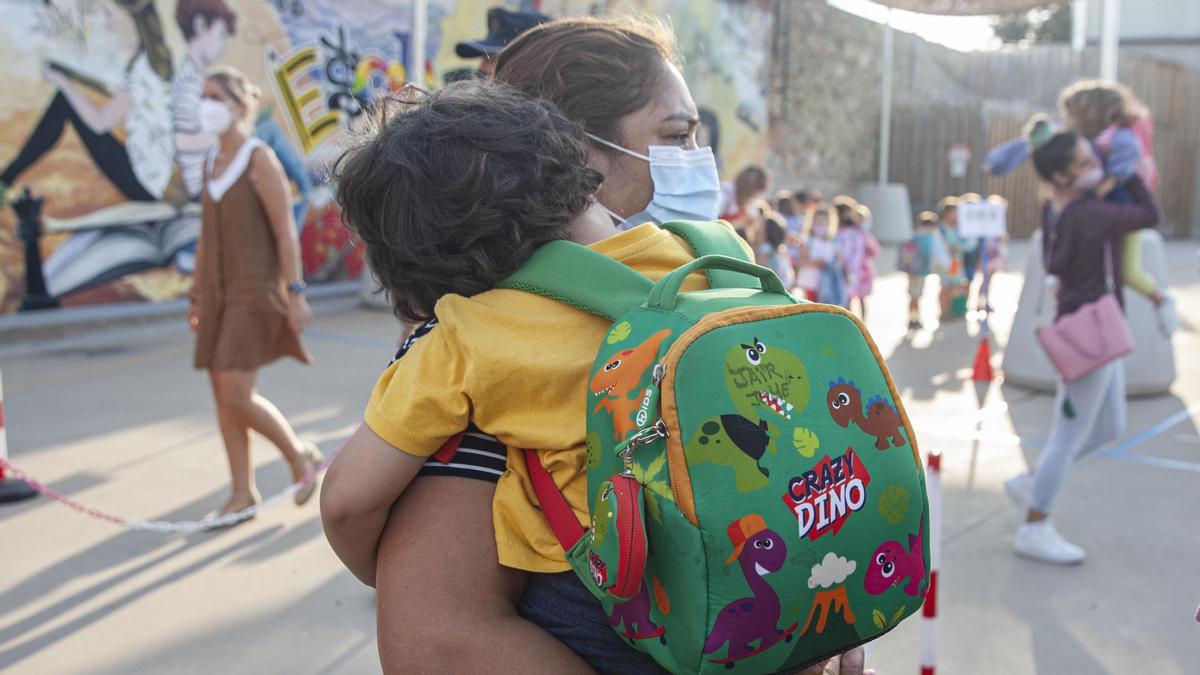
517, 365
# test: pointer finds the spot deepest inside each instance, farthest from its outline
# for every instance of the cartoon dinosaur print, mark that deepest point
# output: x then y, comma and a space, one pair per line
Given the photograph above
892, 565
617, 384
736, 442
880, 420
765, 383
754, 619
635, 614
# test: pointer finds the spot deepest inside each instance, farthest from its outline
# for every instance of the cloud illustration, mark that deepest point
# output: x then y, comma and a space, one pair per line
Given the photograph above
832, 570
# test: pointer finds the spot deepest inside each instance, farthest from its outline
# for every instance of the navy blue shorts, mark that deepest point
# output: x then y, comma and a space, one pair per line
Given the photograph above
560, 605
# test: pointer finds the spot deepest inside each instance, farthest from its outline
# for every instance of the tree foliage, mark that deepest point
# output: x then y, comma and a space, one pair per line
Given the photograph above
1047, 24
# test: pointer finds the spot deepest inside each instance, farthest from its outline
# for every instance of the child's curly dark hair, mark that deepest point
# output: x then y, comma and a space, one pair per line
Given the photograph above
453, 191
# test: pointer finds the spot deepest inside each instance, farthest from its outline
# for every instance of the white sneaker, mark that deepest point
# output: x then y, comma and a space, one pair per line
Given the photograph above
1019, 489
1168, 318
1040, 541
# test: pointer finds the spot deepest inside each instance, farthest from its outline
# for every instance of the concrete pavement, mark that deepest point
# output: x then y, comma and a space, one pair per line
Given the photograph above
119, 420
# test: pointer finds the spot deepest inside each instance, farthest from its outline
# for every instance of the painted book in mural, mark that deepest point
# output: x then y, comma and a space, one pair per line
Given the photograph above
119, 240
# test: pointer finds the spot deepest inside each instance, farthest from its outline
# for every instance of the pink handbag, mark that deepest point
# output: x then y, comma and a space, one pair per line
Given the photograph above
1089, 337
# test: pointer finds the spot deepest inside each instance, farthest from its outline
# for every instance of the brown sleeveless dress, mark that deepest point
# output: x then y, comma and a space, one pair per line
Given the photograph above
242, 296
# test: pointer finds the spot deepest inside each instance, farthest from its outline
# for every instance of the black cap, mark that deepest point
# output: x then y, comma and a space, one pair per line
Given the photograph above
503, 26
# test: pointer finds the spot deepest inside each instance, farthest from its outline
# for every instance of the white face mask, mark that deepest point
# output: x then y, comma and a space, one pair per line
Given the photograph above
686, 185
215, 117
1088, 180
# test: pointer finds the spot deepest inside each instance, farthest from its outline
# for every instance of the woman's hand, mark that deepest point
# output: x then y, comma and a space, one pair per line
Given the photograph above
193, 316
299, 314
850, 662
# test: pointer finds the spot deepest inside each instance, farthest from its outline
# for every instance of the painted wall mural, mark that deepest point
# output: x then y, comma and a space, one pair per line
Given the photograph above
100, 116
725, 45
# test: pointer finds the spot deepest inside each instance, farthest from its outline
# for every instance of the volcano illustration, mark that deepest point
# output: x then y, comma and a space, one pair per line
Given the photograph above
831, 616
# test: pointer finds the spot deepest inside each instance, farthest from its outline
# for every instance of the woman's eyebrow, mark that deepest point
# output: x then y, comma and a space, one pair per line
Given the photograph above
682, 116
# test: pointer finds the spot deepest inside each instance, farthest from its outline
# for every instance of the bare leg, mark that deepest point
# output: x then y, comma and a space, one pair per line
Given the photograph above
259, 414
444, 605
236, 435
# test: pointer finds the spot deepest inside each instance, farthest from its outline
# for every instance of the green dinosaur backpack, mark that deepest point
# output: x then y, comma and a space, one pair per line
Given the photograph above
758, 500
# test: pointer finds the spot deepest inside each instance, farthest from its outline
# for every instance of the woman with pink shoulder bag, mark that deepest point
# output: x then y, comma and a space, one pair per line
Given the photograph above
1081, 244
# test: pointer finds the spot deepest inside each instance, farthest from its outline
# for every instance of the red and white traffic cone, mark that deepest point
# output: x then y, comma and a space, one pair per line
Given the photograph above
933, 484
11, 489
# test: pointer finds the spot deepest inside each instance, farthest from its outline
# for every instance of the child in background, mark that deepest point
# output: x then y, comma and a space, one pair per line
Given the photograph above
952, 275
788, 206
970, 250
926, 253
995, 261
774, 253
1121, 130
867, 278
818, 250
857, 252
738, 197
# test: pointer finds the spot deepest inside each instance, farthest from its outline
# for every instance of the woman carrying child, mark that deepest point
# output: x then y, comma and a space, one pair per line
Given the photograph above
1121, 131
1082, 240
441, 518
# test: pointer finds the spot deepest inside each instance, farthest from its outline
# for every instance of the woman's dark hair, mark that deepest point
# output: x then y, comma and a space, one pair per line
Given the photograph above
1052, 152
453, 191
596, 70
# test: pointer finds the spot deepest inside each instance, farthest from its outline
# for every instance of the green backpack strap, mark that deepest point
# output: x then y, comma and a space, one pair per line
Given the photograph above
576, 275
712, 238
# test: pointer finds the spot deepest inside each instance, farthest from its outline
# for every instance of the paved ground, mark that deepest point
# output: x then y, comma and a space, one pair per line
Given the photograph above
123, 423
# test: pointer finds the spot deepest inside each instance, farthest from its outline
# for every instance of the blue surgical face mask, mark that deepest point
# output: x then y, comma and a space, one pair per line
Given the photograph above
686, 185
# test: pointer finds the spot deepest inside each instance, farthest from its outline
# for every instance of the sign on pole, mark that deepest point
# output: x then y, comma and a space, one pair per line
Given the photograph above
958, 156
982, 219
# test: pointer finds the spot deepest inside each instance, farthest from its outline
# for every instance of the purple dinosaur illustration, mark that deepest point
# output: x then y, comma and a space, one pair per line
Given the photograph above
745, 621
891, 565
635, 613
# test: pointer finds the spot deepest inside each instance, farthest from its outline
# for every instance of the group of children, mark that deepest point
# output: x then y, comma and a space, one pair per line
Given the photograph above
823, 251
936, 247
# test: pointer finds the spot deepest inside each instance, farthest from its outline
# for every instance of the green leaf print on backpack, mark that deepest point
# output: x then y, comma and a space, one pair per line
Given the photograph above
893, 504
806, 441
654, 487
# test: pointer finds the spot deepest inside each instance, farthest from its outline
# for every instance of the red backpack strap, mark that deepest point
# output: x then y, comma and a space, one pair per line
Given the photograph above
558, 513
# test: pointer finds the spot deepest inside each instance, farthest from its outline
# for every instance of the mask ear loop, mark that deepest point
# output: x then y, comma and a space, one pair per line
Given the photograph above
616, 147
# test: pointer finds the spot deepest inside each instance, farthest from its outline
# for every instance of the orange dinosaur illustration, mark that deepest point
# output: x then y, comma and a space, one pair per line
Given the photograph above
618, 383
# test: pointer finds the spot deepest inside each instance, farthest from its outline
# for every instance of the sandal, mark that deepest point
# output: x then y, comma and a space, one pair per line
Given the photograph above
213, 515
314, 458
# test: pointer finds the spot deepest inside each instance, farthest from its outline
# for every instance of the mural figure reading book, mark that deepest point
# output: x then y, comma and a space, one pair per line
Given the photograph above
140, 167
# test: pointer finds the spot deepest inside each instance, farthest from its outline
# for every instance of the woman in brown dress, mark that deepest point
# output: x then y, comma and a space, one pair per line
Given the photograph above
248, 306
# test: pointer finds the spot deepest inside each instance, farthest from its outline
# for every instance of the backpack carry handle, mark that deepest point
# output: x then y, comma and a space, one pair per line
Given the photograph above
666, 291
